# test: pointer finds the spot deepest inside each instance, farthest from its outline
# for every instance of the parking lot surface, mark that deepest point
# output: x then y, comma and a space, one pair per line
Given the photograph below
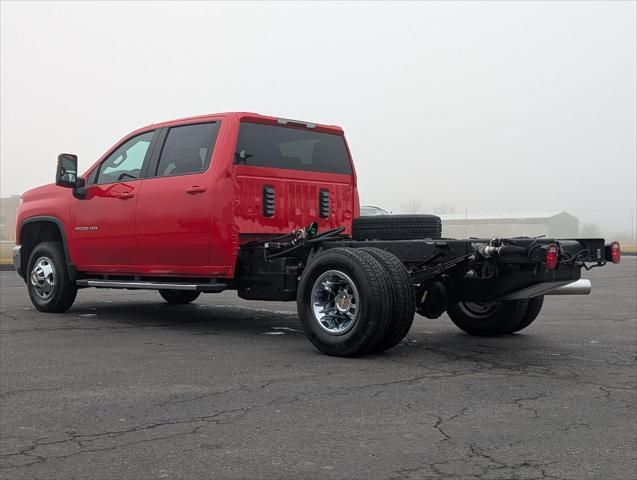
124, 386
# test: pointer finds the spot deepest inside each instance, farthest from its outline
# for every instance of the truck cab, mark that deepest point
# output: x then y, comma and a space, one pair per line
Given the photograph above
179, 198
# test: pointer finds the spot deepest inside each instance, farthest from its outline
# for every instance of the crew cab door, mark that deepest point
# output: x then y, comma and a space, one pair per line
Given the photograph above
103, 220
173, 209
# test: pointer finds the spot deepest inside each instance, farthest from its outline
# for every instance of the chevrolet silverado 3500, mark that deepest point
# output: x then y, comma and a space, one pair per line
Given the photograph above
269, 207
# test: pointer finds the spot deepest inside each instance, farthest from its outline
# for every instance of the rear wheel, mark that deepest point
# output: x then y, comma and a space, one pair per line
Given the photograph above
50, 288
404, 298
179, 296
344, 302
532, 311
487, 318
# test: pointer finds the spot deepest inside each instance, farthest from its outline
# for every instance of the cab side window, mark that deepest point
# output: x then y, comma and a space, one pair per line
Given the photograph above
187, 149
126, 162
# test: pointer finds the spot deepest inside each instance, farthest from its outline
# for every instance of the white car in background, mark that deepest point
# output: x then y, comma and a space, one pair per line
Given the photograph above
370, 210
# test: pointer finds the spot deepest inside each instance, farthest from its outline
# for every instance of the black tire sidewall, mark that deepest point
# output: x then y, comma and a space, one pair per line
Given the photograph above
362, 330
404, 298
499, 322
396, 227
64, 291
179, 297
533, 309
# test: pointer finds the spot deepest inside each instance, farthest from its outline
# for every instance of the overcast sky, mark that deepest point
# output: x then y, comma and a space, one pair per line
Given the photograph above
490, 107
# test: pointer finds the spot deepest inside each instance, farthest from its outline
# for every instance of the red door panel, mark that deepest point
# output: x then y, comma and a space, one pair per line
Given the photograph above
173, 222
103, 227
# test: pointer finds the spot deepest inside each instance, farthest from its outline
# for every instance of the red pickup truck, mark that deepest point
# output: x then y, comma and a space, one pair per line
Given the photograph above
269, 207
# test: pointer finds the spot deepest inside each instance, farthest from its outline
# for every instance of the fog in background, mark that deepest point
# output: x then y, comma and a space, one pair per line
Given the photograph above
496, 107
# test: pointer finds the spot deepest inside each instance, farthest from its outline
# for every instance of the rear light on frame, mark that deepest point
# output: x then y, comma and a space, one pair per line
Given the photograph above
552, 256
615, 252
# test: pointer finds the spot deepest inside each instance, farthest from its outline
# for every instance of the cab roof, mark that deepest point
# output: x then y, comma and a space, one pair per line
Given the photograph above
253, 117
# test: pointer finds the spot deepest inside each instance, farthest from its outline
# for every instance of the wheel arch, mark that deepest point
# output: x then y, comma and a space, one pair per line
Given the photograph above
38, 229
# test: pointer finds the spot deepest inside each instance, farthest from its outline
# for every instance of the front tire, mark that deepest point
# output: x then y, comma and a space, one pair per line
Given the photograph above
48, 283
179, 297
344, 302
487, 319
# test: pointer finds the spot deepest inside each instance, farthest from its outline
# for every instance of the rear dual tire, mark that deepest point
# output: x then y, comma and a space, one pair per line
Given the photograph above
342, 302
490, 319
533, 309
355, 301
403, 298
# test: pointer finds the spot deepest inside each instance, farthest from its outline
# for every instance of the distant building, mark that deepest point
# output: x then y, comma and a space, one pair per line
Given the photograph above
8, 216
456, 225
485, 225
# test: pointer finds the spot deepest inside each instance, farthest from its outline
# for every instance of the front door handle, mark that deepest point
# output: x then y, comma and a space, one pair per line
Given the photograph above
126, 196
195, 189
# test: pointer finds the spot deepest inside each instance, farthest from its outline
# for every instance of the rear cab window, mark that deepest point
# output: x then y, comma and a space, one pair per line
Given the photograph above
261, 145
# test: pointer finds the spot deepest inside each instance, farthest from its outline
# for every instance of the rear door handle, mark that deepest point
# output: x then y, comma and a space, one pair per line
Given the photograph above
125, 196
196, 189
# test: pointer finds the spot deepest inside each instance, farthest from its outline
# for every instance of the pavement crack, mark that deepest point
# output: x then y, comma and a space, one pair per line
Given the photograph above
521, 401
201, 397
441, 421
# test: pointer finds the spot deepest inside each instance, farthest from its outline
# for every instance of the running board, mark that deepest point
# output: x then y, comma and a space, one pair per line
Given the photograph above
133, 285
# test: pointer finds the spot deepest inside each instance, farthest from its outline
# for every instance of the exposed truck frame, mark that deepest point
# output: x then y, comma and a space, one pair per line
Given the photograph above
357, 281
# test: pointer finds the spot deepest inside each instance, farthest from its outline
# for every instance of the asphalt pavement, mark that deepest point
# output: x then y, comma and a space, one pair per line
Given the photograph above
124, 386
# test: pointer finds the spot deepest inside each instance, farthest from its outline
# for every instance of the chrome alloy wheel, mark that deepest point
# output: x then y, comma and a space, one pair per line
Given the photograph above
335, 302
478, 310
43, 277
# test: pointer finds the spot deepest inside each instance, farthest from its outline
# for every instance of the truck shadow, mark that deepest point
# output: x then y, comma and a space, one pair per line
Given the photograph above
429, 343
196, 318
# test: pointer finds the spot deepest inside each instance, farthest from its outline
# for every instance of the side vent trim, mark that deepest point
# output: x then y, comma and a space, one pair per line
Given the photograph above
324, 203
268, 201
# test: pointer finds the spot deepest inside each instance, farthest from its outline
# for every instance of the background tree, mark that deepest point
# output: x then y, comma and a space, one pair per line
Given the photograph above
413, 205
444, 209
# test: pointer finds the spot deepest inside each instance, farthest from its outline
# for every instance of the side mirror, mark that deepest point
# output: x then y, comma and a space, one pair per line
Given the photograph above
66, 174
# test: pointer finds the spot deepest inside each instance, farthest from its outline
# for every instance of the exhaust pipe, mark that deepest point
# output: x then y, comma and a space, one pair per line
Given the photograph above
580, 287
